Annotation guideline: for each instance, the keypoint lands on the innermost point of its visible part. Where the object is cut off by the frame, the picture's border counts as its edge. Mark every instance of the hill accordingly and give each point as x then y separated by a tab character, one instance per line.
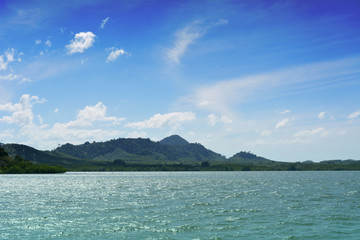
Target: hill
21	165
41	157
172	153
249	158
174	140
140	150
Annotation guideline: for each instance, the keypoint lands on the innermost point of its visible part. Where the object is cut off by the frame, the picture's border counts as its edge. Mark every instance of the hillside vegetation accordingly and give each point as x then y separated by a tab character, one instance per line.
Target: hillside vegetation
21	165
170	154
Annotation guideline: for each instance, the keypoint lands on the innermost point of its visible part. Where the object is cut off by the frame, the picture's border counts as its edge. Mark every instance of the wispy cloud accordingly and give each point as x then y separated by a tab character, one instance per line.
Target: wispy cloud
282	123
354	115
183	38
213	119
9	77
104	22
81	42
314	132
174	120
115	53
7	58
186	36
222	95
285	111
48	43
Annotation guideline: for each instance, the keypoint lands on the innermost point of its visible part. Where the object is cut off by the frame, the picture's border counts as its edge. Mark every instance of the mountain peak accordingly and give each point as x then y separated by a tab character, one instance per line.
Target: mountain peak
174	140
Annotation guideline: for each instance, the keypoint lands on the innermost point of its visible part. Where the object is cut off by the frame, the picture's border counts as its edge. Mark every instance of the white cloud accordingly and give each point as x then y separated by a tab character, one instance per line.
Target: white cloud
174	120
19	56
8	77
285	111
90	114
56	110
24	79
315	132
21	112
104	22
184	37
266	133
282	123
321	115
137	135
37	42
354	115
81	42
222	22
38	134
115	53
221	95
48	43
10	55
213	119
7	58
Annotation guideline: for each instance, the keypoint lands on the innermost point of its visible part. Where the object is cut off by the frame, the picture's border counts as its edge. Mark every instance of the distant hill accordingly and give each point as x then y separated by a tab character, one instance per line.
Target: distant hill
41	157
174	140
140	150
171	153
249	158
18	164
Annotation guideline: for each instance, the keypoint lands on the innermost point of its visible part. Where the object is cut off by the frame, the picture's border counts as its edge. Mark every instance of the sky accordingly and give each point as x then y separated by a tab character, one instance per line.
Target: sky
280	79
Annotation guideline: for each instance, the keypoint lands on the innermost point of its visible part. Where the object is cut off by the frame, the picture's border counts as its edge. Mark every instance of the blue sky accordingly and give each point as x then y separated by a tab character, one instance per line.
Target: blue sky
277	78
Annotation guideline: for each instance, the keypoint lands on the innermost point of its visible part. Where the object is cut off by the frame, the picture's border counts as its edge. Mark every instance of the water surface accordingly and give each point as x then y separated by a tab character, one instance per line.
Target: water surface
181	205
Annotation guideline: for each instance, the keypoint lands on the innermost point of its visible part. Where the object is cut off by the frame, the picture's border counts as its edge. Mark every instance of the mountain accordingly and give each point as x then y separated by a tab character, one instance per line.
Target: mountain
18	164
140	150
41	157
249	158
174	140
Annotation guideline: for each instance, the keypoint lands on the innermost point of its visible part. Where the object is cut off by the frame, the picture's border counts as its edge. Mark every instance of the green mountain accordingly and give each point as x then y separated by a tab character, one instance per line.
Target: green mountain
174	140
41	157
140	150
249	158
172	153
18	164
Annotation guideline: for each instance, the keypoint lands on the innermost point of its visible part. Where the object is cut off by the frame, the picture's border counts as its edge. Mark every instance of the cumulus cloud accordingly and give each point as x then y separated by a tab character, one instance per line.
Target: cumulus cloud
174	120
282	123
115	53
104	22
21	112
86	127
321	115
38	42
90	114
81	42
354	115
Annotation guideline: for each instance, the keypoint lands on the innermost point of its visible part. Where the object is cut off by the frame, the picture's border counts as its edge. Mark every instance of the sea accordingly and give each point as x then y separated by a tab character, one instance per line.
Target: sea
181	205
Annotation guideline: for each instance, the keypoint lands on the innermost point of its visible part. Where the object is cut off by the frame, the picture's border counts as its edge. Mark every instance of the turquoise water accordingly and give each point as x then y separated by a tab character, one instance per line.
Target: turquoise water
181	205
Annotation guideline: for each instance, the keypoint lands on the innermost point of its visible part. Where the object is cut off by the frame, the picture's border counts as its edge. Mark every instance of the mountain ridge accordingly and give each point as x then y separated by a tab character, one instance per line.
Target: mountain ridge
139	153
